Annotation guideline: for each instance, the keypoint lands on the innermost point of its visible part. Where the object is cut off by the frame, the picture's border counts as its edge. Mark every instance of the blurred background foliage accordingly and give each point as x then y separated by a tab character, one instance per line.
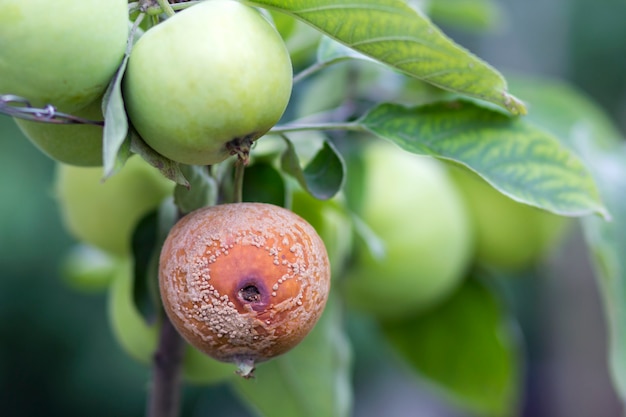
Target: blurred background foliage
58	356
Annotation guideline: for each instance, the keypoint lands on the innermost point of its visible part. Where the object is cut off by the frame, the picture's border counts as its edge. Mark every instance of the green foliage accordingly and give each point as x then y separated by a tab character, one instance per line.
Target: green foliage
392	32
469	347
582	125
520	160
380	67
310	381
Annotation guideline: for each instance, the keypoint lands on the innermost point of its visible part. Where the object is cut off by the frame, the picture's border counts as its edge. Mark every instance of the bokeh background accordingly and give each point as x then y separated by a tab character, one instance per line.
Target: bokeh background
58	356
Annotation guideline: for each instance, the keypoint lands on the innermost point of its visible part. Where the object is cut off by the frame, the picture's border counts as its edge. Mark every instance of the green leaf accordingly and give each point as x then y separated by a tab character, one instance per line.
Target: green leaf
144	245
467	347
115	119
148	237
396	34
262	183
518	159
201	191
312	380
167	167
323	176
607	244
582	124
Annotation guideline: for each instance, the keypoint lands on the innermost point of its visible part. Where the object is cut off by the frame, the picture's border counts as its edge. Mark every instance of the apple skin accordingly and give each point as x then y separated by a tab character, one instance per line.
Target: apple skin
61	52
213	73
139	339
412	206
104	214
72	144
510	236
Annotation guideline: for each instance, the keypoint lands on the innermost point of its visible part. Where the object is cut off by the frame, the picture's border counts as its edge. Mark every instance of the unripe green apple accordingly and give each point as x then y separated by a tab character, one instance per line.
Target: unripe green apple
139	339
72	144
509	235
331	222
104	214
412	206
208	80
61	52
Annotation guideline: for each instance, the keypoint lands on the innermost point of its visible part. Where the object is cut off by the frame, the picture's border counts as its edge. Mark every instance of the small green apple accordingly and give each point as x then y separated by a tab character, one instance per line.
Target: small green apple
214	76
88	269
61	52
509	235
413	208
79	145
139	339
331	221
104	214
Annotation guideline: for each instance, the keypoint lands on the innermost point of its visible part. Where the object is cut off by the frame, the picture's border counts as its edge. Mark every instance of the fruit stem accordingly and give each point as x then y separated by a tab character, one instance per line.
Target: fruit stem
240	167
166	7
164	397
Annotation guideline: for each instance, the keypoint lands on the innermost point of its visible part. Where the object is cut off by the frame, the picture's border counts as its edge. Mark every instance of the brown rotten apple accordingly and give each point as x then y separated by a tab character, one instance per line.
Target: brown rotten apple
244	282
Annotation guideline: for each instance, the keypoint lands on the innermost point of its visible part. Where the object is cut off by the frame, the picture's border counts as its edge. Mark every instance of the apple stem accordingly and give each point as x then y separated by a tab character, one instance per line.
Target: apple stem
164	397
240	167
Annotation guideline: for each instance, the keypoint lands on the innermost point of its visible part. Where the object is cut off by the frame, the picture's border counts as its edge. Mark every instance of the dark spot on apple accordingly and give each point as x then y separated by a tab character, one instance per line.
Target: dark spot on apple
250	293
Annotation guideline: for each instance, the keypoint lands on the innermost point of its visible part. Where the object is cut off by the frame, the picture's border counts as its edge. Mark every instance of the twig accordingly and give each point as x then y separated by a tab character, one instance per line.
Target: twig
164	397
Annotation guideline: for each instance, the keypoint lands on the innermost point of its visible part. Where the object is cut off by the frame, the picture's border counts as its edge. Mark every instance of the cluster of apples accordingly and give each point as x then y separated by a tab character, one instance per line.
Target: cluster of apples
241	282
200	86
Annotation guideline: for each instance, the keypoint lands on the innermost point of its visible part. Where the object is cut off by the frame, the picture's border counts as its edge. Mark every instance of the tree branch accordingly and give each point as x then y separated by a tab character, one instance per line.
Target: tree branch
164	397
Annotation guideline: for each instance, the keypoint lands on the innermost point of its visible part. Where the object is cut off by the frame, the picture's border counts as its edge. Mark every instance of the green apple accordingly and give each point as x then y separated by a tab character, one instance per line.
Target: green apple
104	214
418	216
61	52
79	145
214	76
88	269
509	235
331	221
139	339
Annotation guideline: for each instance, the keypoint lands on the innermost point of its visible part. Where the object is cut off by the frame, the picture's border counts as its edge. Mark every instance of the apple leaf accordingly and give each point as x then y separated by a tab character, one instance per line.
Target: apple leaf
147	239
394	33
115	119
467	347
607	244
580	123
520	160
201	192
323	176
167	167
312	380
262	183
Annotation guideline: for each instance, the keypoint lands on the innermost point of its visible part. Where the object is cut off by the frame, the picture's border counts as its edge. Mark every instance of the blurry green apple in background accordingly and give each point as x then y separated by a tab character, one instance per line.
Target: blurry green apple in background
104	214
331	221
61	52
412	206
88	269
72	144
139	339
213	75
509	235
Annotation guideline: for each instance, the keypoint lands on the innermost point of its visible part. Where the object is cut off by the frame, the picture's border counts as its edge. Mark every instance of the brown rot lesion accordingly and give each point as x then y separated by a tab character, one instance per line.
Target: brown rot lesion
253	294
